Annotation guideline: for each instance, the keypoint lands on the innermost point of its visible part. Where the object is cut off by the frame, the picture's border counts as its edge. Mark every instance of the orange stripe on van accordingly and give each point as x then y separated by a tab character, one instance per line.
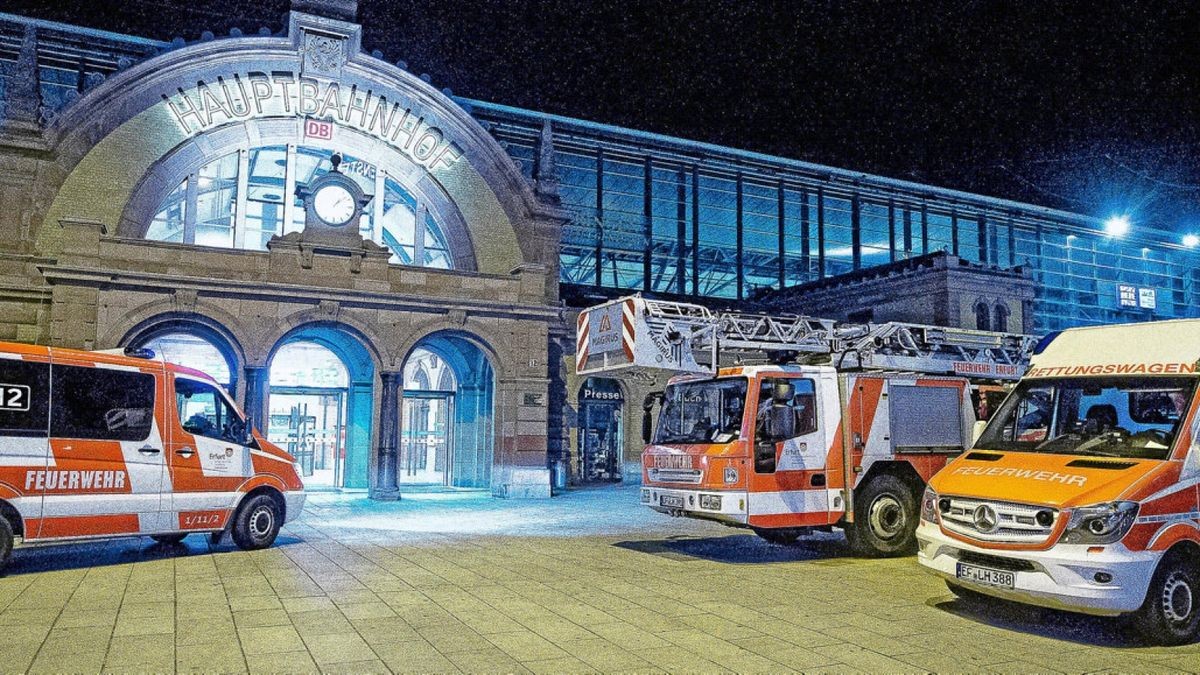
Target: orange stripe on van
83	526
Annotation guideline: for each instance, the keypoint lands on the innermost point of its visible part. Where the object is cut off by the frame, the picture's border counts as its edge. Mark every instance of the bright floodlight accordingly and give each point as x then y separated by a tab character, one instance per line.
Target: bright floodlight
1191	240
1117	226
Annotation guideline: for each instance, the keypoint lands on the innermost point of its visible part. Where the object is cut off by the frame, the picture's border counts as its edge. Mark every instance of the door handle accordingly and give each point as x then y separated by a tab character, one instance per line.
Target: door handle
185	453
149	450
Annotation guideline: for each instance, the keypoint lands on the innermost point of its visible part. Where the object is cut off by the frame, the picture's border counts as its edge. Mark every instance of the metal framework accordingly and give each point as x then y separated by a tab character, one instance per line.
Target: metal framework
638	332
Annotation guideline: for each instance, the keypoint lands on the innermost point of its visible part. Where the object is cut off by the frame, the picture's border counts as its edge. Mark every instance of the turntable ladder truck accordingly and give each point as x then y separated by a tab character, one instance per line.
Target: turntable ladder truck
790	424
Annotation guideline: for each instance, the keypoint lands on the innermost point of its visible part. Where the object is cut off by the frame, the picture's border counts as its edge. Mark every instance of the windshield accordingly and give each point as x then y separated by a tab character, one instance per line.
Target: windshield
702	412
1111	417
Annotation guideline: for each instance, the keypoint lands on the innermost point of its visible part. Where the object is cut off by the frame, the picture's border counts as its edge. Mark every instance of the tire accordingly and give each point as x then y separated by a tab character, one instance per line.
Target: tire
168	539
256	523
6	542
885	518
1170	614
778	537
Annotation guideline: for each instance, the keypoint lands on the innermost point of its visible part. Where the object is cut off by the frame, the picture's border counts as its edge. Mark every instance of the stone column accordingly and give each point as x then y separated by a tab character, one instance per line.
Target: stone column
389	436
255	404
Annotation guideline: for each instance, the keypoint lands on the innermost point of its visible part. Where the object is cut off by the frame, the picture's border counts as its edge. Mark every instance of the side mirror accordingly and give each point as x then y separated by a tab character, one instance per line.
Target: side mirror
977	430
647	413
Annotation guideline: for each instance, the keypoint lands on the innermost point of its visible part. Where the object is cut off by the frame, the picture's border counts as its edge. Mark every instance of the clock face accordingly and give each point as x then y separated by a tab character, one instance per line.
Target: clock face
334	204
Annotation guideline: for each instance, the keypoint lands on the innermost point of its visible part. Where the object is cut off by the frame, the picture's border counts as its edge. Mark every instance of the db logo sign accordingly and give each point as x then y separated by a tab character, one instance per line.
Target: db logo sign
318	129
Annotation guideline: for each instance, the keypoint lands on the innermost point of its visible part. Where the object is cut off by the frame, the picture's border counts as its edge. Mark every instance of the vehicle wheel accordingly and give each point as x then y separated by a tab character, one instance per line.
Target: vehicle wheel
168	539
885	518
966	594
256	523
779	537
6	542
1171	613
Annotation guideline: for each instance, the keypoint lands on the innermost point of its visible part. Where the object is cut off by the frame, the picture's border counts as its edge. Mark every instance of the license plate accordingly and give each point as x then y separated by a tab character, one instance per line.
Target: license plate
983	575
673	501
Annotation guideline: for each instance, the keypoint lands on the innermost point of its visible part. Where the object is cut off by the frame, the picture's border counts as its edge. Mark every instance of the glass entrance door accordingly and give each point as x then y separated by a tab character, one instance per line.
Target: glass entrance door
310	424
427	438
600	440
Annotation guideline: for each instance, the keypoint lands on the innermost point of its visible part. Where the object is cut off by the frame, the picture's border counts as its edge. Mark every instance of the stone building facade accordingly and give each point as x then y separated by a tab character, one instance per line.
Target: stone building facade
101	208
937	288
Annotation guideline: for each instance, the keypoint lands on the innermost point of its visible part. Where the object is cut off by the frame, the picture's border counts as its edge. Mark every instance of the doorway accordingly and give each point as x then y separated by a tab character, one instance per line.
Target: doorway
601	439
446	426
426	444
310	423
314	407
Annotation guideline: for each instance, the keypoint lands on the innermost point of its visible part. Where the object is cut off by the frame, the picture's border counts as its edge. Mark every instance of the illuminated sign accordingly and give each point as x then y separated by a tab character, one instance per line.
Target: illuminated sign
321	104
1133	296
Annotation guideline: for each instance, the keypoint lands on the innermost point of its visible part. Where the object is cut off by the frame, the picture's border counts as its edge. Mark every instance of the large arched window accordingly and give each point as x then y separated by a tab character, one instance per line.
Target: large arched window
193	351
244	198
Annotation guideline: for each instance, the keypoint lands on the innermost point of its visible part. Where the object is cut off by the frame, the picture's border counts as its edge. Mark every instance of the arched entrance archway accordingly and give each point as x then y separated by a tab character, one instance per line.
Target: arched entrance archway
194	344
446	414
601	430
320	405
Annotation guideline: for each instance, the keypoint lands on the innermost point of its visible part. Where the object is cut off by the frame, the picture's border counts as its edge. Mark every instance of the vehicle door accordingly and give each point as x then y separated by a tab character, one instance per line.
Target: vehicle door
106	468
209	454
24	434
790	473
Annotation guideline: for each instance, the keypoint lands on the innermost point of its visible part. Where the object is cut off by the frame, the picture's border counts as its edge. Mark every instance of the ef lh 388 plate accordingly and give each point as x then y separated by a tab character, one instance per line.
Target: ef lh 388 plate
673	501
985	576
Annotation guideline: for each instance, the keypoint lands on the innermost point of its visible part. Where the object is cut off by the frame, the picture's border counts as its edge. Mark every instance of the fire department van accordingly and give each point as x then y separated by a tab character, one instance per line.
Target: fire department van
1081	494
112	444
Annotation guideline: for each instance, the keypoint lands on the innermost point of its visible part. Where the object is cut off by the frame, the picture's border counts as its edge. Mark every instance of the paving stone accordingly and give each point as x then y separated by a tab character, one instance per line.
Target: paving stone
588	582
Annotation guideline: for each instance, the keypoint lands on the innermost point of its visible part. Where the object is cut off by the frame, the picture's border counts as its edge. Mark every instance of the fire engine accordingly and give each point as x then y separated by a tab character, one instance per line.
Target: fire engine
1081	494
120	443
820	425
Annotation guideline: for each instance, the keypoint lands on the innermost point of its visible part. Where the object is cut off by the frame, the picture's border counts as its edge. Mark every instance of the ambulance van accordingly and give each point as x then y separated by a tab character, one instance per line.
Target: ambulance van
117	444
1081	493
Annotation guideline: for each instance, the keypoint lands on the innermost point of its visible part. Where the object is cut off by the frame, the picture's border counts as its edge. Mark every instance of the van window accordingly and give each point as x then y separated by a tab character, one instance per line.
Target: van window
24	398
101	404
203	411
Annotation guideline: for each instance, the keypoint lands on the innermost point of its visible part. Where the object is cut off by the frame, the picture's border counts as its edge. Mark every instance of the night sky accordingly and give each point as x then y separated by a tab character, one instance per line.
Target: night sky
1091	107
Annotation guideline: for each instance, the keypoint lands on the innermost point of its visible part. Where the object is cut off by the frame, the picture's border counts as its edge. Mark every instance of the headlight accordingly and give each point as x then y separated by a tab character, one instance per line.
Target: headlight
710	502
1100	524
929	506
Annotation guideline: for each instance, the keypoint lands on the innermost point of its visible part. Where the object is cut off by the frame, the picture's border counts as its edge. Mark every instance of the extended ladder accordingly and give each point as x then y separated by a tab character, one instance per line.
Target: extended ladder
641	333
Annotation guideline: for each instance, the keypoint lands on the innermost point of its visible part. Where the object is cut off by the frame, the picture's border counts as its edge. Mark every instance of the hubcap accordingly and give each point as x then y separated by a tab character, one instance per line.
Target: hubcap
1177	599
261	521
886	517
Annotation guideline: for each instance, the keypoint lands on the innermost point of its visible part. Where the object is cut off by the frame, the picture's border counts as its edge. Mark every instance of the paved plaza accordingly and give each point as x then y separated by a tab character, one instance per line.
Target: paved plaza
586	582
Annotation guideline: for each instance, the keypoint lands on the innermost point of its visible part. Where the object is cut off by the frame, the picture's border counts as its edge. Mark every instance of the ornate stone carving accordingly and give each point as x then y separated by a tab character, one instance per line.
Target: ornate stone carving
323	54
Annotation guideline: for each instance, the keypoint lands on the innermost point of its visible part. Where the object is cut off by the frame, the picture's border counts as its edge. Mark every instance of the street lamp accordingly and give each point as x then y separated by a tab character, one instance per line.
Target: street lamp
1117	226
1191	240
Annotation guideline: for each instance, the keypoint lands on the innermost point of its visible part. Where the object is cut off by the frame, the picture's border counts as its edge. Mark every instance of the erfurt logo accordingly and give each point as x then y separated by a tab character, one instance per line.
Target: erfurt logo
221	456
74	480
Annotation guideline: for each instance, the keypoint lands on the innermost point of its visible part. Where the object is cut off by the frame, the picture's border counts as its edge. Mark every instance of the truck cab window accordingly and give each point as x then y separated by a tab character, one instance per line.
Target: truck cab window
203	411
803	404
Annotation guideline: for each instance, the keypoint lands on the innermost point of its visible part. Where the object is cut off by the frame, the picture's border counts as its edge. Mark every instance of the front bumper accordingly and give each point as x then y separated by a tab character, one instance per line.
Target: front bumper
689	502
294	503
1062	577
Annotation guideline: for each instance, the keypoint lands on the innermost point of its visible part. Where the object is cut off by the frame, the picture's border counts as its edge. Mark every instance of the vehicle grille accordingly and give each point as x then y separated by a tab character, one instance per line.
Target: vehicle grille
1015	523
692	476
995	562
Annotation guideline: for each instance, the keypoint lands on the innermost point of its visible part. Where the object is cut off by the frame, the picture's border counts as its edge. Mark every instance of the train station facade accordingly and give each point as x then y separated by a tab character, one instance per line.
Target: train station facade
157	194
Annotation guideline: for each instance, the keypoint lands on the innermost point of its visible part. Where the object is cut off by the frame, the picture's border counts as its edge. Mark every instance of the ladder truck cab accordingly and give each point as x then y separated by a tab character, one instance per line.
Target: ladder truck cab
820	426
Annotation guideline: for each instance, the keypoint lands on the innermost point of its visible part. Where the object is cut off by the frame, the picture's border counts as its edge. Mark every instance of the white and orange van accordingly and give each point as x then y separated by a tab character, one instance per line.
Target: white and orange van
112	444
1082	491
